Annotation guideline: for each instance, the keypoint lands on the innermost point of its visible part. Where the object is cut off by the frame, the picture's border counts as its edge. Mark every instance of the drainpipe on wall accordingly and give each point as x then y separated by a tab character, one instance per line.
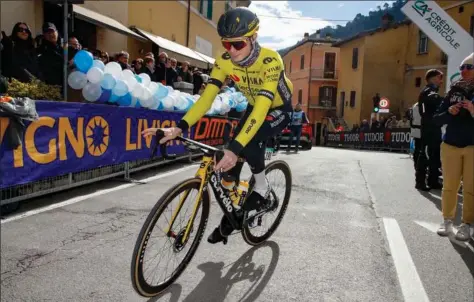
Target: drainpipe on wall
188	24
309	78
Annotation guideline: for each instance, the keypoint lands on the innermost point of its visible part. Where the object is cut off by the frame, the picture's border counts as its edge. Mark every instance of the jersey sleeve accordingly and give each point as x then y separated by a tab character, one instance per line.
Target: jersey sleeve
204	103
270	74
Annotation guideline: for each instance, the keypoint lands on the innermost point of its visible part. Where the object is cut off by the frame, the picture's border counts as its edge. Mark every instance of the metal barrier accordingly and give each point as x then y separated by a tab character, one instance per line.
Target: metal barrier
71	180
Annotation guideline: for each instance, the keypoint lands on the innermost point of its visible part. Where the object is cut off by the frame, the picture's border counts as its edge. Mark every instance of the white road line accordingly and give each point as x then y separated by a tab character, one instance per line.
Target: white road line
95	194
412	287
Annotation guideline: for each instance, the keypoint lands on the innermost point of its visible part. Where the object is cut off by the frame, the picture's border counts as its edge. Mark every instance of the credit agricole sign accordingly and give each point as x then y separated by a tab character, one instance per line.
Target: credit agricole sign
443	30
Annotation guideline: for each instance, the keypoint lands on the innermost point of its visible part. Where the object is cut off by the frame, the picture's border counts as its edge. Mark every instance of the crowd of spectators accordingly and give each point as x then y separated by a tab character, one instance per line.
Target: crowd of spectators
25	57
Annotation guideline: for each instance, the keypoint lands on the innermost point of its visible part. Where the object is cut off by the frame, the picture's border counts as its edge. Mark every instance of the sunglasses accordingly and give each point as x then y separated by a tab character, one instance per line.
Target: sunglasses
466	67
22	30
238	45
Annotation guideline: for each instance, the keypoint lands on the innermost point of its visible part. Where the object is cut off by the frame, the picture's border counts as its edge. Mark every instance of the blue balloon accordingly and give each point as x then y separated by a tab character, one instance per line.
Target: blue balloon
83	60
105	96
108	81
120	88
113	98
241	107
160	106
139	80
162	91
125	100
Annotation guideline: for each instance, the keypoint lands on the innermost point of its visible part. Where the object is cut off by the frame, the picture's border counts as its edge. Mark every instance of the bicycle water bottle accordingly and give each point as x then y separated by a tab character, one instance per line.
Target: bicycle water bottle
242	190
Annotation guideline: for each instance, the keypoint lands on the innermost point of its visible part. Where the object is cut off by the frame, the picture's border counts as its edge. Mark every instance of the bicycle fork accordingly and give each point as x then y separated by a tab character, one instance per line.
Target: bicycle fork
202	174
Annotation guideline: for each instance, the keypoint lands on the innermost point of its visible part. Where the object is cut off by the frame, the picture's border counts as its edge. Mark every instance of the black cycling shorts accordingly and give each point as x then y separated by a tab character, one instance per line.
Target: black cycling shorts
254	152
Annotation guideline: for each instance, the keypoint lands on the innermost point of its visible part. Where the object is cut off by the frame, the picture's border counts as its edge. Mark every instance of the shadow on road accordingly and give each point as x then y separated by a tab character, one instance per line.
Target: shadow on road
215	286
435	197
466	253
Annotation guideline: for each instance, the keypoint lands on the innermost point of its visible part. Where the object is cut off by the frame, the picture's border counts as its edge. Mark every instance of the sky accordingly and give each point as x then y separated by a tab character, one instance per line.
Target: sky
277	33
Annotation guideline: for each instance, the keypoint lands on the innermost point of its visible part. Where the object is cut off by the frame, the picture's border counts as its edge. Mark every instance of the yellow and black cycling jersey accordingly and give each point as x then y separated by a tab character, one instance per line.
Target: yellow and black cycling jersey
263	83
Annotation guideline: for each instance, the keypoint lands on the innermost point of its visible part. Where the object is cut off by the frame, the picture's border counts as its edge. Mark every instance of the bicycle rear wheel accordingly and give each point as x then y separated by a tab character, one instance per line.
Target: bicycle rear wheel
252	239
141	285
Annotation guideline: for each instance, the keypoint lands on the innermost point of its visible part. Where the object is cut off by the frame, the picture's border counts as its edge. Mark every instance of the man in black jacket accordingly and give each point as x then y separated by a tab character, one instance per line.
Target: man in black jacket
428	102
50	56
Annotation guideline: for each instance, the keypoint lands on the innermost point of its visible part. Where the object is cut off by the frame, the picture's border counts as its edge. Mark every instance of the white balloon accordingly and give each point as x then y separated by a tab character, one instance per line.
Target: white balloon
127	74
99	64
146	80
95	75
77	80
168	102
113	68
131	83
146	99
138	91
153	86
92	92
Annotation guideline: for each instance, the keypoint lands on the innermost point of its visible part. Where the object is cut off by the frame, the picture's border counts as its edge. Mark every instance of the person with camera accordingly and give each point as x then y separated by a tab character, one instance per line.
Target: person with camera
457	151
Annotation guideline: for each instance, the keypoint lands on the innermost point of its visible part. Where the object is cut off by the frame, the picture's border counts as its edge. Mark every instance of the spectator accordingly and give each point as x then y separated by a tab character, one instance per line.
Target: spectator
184	74
298	118
122	59
104	57
160	70
364	127
50	56
171	72
404	123
149	68
375	124
391	122
138	66
457	151
73	42
197	80
19	56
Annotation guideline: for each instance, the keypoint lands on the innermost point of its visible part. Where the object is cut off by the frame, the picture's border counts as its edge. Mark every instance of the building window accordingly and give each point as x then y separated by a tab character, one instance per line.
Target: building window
355	58
228	6
205	8
471	31
353	99
302	62
290	66
422	43
300	96
418	82
343	97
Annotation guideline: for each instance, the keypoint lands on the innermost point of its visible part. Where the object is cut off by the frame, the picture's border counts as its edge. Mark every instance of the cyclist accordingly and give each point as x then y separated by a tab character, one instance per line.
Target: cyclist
259	74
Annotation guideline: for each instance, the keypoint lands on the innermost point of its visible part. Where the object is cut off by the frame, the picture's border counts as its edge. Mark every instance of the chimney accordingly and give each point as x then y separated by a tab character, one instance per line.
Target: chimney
306	36
318	34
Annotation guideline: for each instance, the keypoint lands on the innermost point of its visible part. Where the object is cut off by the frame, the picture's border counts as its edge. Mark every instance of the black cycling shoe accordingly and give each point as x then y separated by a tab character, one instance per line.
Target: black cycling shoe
216	237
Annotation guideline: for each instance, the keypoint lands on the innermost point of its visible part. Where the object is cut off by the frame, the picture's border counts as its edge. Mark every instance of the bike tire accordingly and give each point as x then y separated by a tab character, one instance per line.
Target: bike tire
138	280
246	234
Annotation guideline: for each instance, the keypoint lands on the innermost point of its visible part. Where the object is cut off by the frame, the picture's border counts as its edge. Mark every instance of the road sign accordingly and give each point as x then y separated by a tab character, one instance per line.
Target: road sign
443	30
384	110
384	103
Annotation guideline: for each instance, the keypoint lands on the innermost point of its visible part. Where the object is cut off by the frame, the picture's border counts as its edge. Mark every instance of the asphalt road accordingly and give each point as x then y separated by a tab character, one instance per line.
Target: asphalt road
355	230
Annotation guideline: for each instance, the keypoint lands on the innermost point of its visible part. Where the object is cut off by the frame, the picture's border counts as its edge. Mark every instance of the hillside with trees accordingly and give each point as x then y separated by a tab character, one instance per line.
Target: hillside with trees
361	22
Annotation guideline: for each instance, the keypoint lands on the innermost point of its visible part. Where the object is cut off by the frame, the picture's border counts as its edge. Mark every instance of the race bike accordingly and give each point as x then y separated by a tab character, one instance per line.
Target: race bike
184	239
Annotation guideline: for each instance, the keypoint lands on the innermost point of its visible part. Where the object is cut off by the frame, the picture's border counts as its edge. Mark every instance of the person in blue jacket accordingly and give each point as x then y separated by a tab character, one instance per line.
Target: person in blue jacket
457	151
298	118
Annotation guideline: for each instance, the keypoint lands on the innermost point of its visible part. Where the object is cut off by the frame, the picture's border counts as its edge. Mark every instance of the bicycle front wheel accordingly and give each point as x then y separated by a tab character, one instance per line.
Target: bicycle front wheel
278	200
173	234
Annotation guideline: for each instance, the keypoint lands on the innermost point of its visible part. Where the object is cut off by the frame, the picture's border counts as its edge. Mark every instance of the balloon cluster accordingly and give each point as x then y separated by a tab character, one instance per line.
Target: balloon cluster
109	83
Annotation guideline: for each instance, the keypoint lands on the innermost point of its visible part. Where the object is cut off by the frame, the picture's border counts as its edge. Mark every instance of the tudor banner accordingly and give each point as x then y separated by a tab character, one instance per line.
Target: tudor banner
391	139
73	137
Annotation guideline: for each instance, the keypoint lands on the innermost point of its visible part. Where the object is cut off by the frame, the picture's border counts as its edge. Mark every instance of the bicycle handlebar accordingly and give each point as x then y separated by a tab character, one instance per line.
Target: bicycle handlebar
160	134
